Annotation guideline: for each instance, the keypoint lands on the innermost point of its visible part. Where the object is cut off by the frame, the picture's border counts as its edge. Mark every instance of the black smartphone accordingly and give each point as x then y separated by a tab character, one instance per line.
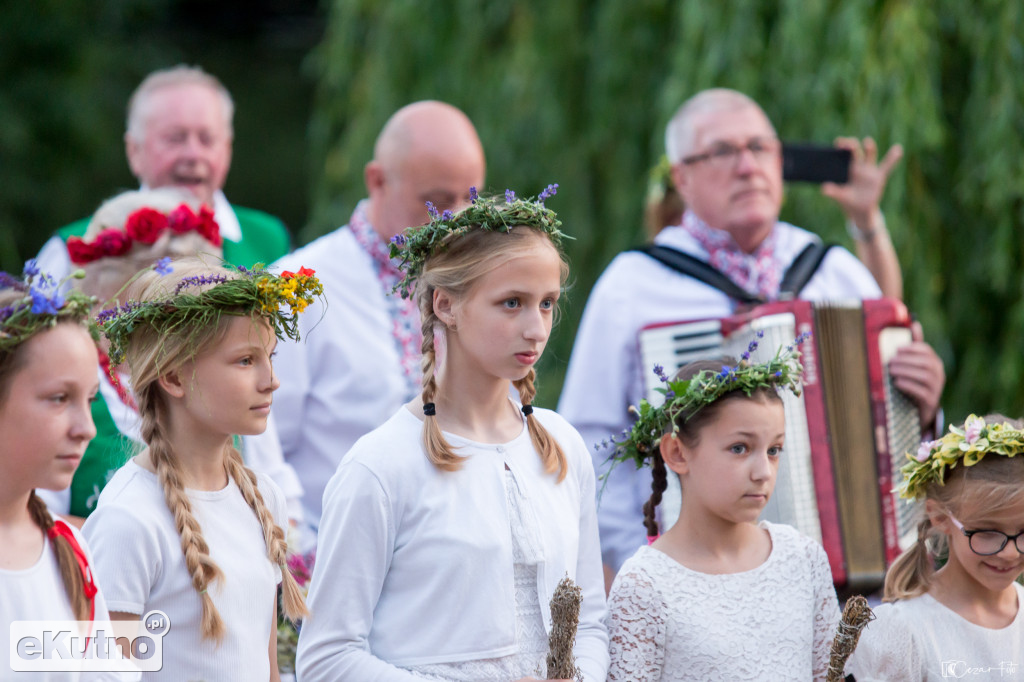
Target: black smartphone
815	163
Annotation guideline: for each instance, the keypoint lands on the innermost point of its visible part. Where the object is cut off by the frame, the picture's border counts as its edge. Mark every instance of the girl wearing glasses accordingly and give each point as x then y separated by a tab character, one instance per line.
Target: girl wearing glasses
966	618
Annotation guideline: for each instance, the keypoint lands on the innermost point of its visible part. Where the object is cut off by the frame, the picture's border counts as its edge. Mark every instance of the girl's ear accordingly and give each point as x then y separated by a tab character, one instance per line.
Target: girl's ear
674	453
172	384
443	307
939	517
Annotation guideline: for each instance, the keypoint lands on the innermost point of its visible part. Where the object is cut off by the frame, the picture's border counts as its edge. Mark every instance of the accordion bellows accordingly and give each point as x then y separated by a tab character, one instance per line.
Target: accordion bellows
847	435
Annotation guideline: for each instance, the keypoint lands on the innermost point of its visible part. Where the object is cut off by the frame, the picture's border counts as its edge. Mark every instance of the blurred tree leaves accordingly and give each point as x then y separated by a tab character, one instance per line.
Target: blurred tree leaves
579	91
66	72
68	67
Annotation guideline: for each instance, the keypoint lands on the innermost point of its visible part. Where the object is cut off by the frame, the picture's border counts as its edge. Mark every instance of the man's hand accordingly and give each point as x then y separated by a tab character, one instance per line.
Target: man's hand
917	371
860	197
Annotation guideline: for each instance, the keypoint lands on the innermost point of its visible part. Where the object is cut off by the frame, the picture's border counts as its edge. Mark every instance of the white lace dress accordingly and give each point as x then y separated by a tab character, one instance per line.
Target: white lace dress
921	640
775	622
531	636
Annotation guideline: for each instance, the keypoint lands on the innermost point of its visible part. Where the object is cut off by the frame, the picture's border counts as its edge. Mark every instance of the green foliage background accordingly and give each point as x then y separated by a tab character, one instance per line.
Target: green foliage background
579	91
575	92
67	68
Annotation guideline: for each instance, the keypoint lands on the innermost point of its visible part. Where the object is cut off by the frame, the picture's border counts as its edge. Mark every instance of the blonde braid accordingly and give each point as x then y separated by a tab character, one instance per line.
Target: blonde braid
197	553
277	546
911	573
439	452
70	572
550	451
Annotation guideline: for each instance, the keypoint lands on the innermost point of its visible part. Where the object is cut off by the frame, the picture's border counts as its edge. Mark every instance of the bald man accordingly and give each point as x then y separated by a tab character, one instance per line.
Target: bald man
362	361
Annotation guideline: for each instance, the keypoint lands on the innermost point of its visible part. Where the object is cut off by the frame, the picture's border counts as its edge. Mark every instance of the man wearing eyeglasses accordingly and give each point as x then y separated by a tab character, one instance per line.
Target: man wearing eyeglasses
727	166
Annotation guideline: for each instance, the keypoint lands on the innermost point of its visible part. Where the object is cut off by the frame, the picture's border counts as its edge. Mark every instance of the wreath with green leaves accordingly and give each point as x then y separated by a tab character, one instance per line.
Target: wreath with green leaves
498	213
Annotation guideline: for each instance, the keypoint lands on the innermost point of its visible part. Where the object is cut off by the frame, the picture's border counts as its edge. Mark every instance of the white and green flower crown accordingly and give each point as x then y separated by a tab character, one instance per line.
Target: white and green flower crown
497	213
687	396
41	305
967	445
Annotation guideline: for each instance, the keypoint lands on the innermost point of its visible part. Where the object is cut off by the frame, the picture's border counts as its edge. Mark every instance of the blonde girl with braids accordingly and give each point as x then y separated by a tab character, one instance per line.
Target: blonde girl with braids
129	233
47	382
446	530
964	619
123	237
719	595
185	527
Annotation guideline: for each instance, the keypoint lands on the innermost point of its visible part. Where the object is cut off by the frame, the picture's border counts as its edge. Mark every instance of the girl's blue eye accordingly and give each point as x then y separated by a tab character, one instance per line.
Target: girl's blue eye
511	303
547	304
738	449
775	451
245	362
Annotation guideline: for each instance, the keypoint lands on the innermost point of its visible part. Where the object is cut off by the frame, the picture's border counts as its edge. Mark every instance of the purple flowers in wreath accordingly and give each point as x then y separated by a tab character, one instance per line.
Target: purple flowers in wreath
687	397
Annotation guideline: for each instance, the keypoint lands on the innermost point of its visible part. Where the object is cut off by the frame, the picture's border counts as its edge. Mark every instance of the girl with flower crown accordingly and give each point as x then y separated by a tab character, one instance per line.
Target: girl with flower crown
720	596
965	619
446	530
185	527
47	380
128	233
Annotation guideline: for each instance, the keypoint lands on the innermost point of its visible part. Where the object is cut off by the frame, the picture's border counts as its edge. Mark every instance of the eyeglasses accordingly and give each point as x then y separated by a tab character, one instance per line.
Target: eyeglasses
724	155
989	542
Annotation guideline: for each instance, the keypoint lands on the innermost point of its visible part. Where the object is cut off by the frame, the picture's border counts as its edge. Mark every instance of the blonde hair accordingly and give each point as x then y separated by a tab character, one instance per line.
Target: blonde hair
456	269
151	356
175	75
995	482
12	361
105	277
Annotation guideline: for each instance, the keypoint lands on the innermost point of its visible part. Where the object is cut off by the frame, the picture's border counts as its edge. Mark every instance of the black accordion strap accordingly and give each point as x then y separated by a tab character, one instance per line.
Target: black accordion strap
794	280
802	269
699	270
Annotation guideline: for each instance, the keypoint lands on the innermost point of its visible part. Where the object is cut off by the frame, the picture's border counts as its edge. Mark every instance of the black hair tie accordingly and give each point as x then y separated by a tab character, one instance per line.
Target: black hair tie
527	410
428	409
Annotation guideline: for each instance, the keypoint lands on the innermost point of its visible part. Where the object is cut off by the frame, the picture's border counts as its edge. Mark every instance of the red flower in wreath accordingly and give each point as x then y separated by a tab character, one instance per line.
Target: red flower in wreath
146	225
208	227
182	220
307	272
113	242
82	252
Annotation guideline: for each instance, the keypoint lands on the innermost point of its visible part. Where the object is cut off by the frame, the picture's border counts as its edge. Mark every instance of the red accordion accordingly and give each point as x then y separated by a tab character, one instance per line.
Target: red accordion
847	434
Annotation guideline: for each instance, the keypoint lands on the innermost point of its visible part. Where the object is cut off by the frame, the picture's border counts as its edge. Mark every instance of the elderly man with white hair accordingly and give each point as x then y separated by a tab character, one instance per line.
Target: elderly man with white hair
727	166
180	134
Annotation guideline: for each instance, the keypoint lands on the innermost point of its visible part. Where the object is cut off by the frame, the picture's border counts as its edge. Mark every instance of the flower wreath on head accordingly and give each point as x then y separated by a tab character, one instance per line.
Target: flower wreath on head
417	244
688	396
41	307
969	445
189	308
145	226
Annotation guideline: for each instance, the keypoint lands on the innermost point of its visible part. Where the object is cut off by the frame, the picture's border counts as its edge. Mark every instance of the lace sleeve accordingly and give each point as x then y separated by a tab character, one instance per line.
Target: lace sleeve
636	629
827	614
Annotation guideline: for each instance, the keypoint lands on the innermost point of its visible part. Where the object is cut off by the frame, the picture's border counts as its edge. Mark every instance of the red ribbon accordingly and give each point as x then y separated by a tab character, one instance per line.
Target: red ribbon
115	380
62	529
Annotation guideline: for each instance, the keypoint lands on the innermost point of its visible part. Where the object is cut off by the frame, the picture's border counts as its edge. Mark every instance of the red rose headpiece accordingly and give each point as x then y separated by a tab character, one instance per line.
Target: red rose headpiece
145	226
